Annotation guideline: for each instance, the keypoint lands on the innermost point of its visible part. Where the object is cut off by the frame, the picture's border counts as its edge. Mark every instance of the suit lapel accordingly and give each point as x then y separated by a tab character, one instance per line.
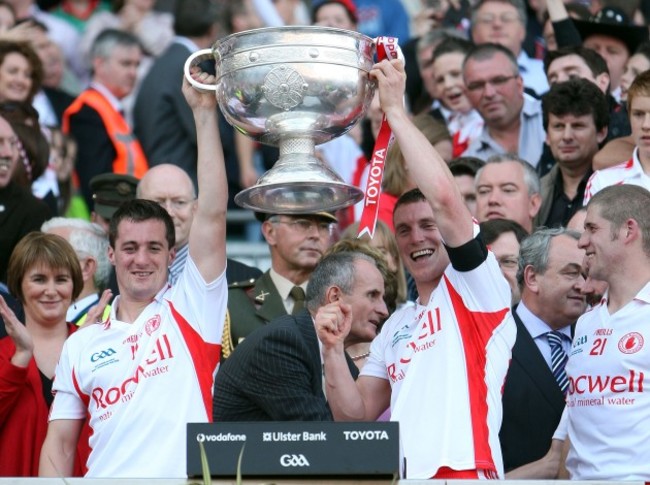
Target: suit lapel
527	355
306	328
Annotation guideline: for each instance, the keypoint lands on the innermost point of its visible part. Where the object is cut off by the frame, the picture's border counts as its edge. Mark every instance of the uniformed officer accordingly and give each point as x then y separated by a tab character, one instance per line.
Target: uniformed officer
109	191
296	244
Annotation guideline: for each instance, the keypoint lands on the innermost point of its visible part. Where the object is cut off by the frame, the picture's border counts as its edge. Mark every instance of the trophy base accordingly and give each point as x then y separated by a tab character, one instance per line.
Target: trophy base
299	197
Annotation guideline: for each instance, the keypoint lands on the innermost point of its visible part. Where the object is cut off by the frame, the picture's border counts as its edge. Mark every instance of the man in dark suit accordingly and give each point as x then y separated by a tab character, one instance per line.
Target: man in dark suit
276	374
551	283
296	243
162	118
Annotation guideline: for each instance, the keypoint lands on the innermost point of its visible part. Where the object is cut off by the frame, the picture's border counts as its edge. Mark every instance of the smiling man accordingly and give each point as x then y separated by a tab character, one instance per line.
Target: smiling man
513	119
551	284
610	344
144	373
439	364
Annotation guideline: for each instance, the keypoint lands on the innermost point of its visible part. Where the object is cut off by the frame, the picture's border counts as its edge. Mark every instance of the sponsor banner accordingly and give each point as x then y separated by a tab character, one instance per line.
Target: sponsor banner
295	448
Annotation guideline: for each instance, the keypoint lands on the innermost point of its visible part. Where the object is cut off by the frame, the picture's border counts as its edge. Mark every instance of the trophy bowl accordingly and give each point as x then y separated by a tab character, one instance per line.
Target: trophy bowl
294	88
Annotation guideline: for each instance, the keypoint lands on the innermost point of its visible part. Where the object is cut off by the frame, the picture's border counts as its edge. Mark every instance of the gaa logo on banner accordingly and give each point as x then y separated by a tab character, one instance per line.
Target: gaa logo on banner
293	460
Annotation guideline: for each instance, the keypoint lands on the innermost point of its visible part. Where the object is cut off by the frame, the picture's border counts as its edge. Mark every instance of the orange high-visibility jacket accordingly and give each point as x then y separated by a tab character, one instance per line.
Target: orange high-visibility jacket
130	157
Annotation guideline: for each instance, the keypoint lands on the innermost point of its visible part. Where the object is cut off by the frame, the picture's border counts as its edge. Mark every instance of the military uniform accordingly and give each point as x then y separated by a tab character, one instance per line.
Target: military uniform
251	305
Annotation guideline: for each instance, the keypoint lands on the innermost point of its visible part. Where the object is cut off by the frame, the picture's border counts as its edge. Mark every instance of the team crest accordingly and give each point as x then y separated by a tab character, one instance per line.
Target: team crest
152	324
631	343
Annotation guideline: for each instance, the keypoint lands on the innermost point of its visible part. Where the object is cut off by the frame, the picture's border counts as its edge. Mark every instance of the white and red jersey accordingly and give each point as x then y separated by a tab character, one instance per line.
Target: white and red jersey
630	172
608	400
140	383
446	363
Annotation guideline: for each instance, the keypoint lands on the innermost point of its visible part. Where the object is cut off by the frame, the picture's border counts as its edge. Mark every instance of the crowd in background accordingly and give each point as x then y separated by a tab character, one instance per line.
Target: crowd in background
536	108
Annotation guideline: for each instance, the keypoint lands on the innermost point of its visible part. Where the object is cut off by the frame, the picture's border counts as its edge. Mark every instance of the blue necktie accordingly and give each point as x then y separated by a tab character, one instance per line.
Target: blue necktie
558	360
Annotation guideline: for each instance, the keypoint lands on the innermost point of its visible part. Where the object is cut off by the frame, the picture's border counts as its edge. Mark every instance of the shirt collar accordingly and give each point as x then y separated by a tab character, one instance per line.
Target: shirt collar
535	326
103	90
283	285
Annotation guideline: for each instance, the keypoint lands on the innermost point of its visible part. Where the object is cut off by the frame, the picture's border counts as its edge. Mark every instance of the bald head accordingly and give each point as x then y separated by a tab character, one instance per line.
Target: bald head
173	189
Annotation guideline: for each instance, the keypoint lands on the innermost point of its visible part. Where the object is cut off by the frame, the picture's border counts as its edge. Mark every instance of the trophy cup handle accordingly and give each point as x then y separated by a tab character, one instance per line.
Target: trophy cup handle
193	60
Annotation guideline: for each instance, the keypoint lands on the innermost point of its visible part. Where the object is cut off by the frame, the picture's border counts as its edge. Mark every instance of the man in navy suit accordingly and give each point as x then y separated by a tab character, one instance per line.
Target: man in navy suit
551	282
276	373
162	119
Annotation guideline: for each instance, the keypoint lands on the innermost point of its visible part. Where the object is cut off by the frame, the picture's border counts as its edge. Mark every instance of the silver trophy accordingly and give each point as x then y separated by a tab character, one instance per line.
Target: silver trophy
293	87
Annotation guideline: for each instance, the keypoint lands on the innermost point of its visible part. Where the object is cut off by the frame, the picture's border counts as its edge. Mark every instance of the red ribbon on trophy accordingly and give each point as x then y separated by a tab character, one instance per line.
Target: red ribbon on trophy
387	48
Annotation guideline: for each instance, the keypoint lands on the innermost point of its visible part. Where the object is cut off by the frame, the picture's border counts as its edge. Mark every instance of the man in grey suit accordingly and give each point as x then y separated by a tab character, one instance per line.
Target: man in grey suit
551	282
162	118
276	374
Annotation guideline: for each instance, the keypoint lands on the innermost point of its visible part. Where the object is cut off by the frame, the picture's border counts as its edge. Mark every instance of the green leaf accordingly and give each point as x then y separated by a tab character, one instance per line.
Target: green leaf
241	455
205	466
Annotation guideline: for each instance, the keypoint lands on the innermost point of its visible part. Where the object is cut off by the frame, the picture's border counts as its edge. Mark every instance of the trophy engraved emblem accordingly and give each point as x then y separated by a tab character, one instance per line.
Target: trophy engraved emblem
293	87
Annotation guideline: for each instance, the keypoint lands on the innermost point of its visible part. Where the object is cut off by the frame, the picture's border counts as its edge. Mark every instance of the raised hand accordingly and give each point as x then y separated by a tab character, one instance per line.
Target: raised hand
196	98
333	322
19	334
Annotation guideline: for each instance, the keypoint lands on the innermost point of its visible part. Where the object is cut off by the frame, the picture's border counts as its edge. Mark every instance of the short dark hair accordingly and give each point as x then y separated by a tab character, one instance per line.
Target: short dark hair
195	18
452	45
410	197
465	166
487	51
576	97
492	229
595	62
140	210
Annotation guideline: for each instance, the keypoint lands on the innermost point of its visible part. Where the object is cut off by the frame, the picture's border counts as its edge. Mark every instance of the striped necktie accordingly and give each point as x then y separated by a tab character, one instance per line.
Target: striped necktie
558	360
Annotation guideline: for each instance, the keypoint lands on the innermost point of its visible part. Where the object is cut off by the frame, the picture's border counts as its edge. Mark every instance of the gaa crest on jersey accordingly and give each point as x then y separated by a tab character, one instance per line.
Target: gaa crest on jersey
631	343
152	324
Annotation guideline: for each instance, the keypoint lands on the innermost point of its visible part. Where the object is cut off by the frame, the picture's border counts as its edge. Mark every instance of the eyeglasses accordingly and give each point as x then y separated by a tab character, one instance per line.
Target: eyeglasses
508	262
497	82
305	226
504	18
176	204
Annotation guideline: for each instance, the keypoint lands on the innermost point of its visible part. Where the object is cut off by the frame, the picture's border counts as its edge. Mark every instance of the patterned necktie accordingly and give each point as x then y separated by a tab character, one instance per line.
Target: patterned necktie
558	360
298	295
